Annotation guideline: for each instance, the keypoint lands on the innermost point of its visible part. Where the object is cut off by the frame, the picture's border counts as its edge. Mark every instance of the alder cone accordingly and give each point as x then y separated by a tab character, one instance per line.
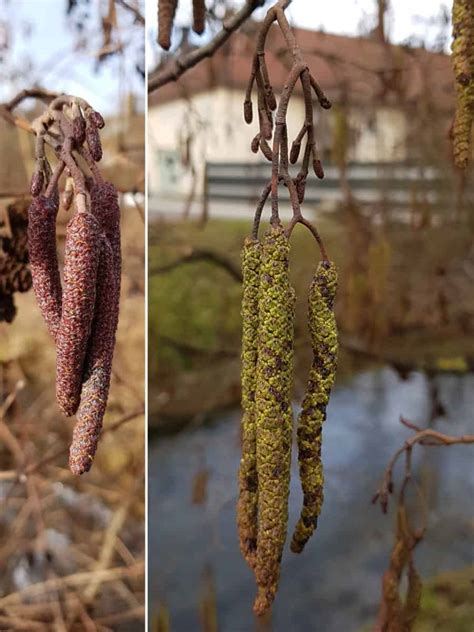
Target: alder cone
15	274
81	259
98	365
43	258
166	13
7	307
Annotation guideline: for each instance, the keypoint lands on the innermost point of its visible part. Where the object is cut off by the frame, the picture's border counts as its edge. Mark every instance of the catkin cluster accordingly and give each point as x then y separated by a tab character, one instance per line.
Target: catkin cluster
463	62
81	313
15	273
166	15
268	306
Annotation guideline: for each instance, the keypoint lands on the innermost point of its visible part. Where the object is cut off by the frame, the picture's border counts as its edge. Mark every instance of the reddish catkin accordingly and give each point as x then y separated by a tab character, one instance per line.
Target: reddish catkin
166	13
105	204
37	182
98	366
81	258
44	260
96	119
93	142
199	16
79	130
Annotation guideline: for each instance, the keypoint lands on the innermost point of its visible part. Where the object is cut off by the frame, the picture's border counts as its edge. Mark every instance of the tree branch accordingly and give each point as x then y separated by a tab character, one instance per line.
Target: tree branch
426	437
200	255
187	61
138	16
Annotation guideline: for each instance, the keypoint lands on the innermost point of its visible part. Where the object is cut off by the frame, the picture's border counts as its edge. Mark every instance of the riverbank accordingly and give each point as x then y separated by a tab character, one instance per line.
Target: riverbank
194	319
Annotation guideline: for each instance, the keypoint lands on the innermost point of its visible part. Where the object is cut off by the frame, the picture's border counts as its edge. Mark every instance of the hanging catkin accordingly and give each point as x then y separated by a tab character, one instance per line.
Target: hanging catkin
44	260
323	330
105	204
463	62
81	258
248	479
199	16
273	412
98	365
166	13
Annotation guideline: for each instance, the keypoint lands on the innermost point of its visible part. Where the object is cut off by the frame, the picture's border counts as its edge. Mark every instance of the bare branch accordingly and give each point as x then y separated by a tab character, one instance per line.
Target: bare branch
187	61
200	255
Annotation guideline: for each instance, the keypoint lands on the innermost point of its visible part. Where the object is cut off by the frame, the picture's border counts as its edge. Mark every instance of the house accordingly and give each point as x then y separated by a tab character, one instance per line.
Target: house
387	94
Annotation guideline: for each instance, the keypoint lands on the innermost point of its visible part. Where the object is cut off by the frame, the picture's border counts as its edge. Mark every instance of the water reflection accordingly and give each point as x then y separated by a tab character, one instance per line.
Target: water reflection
334	585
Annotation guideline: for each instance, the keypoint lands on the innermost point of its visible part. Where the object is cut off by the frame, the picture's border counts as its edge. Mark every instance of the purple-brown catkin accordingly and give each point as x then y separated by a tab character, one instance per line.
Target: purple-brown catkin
79	130
96	119
93	142
98	367
81	258
44	260
166	13
105	205
37	182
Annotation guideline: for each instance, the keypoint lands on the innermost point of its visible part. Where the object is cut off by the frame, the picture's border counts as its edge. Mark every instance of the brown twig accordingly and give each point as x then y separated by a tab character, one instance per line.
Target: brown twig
425	437
196	256
188	60
276	128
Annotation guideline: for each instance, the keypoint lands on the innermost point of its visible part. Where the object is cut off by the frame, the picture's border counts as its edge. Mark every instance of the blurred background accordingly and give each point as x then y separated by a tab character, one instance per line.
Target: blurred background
397	218
72	549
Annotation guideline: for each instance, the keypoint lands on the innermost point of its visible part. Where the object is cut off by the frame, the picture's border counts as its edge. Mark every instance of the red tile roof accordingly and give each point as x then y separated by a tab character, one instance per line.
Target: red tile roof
365	70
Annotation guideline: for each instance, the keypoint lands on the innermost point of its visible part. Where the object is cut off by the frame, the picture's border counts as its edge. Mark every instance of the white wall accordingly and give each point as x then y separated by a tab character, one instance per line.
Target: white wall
219	134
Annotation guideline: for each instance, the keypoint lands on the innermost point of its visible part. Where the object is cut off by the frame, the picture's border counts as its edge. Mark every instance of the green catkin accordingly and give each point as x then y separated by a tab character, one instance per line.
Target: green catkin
323	330
273	412
463	62
248	480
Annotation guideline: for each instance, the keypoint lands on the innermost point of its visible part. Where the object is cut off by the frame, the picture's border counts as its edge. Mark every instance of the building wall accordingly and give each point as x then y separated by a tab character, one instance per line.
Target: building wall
379	135
185	134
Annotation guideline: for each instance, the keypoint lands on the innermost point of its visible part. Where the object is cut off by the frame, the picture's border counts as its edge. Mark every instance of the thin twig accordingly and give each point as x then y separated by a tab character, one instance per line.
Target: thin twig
187	61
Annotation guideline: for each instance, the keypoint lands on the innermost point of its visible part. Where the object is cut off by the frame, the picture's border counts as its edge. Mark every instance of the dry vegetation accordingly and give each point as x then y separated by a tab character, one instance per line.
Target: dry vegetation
72	549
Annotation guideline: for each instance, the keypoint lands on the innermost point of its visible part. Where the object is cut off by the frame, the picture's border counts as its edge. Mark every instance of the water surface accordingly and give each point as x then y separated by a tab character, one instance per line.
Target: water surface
334	585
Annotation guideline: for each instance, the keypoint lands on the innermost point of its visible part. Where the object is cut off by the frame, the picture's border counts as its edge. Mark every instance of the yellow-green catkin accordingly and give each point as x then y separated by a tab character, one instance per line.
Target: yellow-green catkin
248	480
463	62
273	411
323	330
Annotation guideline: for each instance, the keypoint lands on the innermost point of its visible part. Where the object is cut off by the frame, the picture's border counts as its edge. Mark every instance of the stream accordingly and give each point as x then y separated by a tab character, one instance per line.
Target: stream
334	585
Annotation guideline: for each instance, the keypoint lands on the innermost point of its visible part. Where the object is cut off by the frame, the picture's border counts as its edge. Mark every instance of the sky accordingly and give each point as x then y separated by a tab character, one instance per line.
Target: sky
406	18
41	38
41	35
